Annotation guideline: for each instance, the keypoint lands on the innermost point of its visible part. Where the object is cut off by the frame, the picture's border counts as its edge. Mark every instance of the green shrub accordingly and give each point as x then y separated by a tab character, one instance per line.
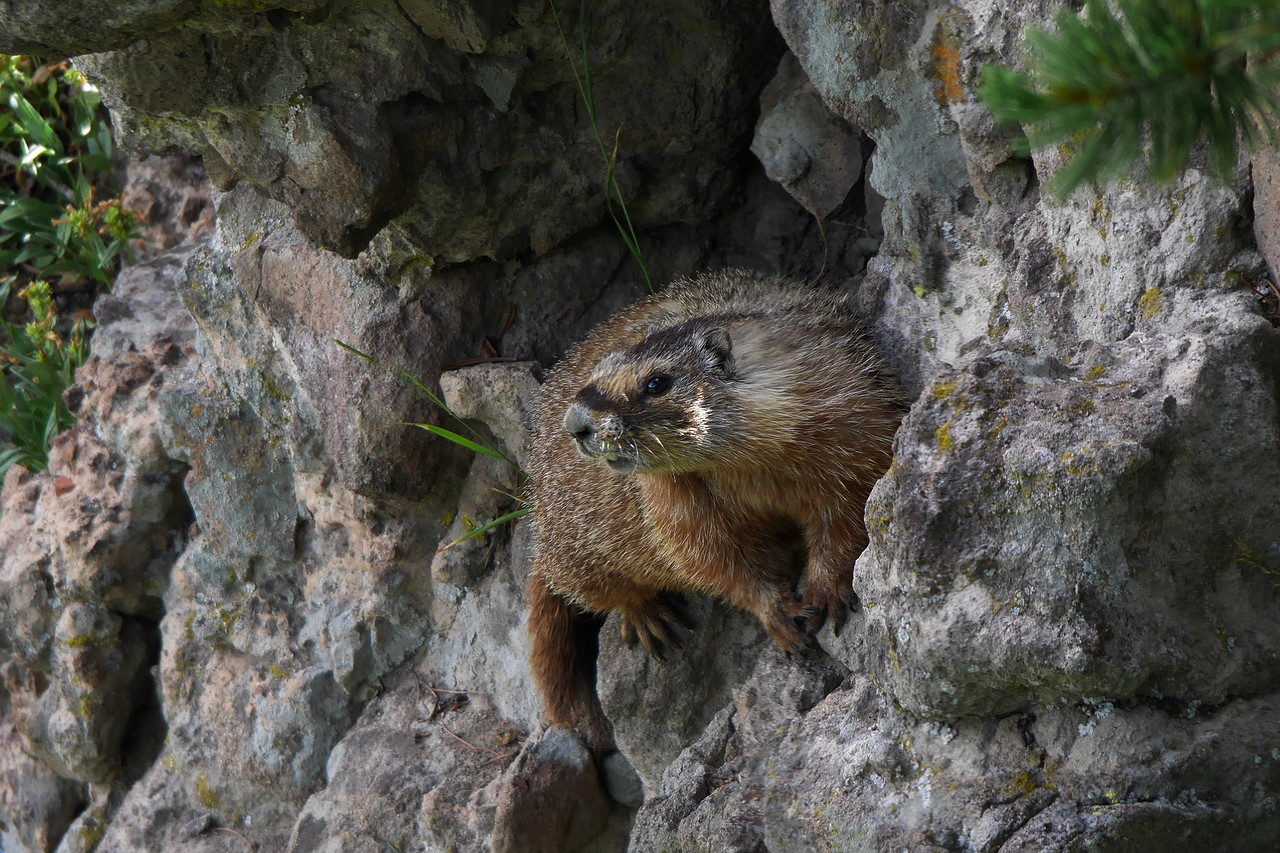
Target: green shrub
40	364
57	245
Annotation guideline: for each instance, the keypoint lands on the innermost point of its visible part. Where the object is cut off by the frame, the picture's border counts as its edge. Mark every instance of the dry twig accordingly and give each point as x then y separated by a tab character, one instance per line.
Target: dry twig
1269	298
248	843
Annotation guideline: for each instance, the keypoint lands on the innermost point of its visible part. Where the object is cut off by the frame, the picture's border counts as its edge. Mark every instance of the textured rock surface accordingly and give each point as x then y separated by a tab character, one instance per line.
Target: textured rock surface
450	130
89	546
813	154
226	615
1081	524
1265	172
170	195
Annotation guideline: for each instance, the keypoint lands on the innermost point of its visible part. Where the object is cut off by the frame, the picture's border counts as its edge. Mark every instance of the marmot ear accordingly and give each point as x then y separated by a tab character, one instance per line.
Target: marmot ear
717	350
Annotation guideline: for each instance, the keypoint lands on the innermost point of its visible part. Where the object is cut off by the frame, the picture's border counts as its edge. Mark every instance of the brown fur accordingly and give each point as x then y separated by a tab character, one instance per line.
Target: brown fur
778	420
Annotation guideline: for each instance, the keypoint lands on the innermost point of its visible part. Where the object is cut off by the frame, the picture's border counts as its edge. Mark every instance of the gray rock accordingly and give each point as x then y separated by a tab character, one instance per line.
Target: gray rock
87	549
712	794
622	781
423	766
40	805
1112	531
1050	778
551	798
78	724
82	26
812	153
171	196
1066	638
1265	171
421	132
659	707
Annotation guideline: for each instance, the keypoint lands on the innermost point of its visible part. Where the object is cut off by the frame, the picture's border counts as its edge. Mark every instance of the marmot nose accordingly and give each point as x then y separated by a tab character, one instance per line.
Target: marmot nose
578	422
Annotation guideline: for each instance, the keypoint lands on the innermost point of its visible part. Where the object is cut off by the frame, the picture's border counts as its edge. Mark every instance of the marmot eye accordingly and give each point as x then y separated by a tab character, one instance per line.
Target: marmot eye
656	385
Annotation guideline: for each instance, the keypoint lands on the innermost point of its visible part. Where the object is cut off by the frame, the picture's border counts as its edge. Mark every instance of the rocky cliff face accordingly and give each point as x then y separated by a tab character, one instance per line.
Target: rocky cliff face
226	619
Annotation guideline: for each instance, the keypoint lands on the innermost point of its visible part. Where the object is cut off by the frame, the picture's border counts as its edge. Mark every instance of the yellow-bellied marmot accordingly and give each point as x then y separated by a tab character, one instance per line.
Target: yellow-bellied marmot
689	444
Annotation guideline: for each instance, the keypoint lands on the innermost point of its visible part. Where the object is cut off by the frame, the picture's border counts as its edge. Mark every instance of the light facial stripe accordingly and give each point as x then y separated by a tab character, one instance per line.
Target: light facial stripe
699	420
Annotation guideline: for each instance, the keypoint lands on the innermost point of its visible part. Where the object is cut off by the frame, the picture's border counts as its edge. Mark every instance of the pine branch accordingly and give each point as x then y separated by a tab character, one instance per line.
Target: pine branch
1145	76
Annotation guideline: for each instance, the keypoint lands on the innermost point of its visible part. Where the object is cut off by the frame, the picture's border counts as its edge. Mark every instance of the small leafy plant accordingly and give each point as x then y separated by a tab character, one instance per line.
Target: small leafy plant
1156	76
39	364
59	245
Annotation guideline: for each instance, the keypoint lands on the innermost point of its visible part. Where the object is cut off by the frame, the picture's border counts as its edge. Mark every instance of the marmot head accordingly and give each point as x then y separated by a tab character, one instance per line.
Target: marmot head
660	405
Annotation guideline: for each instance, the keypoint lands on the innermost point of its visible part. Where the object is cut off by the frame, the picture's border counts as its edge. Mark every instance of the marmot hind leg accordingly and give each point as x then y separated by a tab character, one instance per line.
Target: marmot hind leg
565	643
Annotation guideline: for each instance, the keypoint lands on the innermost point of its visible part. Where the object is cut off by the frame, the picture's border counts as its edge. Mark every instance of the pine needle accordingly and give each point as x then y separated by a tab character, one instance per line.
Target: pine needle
1129	78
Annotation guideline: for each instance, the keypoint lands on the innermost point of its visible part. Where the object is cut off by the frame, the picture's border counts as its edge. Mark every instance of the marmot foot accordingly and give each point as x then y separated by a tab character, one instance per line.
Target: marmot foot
818	604
653	624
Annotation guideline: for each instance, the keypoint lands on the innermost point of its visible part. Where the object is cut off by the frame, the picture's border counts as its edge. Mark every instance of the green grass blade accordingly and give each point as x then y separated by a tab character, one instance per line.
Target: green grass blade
478	444
33	124
485	528
586	88
459	439
6	396
413	380
349	348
